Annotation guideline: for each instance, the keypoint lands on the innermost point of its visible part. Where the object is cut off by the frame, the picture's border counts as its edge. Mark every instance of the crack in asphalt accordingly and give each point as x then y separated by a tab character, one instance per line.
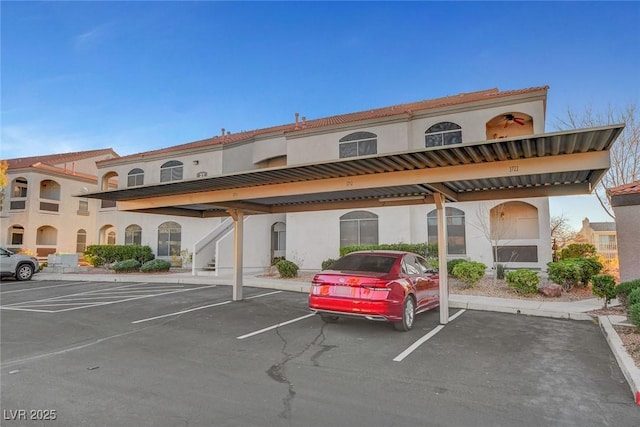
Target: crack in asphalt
277	372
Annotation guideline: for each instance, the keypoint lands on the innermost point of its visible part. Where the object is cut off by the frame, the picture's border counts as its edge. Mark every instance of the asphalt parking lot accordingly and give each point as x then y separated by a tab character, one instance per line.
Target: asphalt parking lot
124	354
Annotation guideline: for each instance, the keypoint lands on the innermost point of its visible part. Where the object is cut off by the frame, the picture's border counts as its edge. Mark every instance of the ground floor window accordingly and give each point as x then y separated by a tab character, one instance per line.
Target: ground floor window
358	228
278	239
17	235
81	241
456	240
169	239
133	235
516	253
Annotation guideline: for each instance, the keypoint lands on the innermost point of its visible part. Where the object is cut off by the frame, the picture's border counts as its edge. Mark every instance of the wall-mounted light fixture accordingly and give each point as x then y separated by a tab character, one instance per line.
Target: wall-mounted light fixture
196	162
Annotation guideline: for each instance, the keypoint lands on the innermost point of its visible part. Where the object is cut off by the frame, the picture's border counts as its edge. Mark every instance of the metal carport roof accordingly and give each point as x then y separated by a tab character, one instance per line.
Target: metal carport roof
561	163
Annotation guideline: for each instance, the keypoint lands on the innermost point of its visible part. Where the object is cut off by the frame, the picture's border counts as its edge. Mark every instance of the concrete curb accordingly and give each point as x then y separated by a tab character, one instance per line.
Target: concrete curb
520	310
629	369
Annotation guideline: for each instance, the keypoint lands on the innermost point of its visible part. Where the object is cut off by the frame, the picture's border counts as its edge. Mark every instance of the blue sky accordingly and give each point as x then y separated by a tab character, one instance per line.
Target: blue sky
137	76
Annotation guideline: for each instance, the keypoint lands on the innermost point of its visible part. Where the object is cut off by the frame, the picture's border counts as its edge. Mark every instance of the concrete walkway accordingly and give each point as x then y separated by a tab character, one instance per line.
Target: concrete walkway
575	310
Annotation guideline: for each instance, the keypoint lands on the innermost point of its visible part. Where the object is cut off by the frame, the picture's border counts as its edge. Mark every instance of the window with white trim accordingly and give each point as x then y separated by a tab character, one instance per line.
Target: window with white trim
443	133
358	228
456	239
171	171
169	239
135	177
358	144
133	235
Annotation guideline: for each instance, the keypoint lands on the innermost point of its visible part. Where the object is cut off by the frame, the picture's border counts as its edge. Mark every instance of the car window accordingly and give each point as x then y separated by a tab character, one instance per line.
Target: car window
365	262
409	265
424	265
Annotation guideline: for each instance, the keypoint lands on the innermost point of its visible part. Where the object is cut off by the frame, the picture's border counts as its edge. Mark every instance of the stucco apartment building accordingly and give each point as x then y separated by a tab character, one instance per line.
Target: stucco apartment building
602	235
39	211
43	211
519	228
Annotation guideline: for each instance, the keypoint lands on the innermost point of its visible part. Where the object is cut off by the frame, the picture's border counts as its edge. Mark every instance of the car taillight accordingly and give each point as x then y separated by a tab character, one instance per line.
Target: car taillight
376	285
317	283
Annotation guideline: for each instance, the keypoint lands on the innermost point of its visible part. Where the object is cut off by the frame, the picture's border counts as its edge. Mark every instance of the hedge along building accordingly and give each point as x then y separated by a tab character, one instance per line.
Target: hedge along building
377	176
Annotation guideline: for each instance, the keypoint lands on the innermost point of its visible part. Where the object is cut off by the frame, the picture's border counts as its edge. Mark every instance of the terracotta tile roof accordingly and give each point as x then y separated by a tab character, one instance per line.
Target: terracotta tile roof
394	110
631	188
63	171
56	159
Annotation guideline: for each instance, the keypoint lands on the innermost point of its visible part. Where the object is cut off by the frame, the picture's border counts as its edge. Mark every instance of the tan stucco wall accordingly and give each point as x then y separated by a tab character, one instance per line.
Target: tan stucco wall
628	235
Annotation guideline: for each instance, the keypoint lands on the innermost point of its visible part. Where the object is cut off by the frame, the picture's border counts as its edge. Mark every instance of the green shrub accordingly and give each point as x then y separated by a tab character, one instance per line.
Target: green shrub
589	267
470	272
604	286
155	265
287	268
578	250
500	271
98	255
423	249
523	281
126	265
624	289
634	297
451	264
327	263
566	273
634	314
276	259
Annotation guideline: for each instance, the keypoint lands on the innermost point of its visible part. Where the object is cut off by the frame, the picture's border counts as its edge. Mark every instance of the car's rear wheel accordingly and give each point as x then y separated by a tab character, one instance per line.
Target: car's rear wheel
329	319
408	315
24	272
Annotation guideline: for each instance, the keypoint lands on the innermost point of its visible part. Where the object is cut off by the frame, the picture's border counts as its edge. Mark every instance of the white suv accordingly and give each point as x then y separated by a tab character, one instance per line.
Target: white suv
22	267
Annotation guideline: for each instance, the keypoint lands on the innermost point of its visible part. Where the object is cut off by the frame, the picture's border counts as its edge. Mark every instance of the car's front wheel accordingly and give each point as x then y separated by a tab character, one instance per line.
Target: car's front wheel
408	315
24	272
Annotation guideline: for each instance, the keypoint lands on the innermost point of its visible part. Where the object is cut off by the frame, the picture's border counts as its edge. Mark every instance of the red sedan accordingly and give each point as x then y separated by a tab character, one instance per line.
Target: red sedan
376	285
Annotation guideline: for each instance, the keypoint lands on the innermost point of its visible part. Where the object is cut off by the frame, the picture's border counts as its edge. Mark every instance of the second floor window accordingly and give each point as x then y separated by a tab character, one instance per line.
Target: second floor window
135	177
358	144
171	171
443	133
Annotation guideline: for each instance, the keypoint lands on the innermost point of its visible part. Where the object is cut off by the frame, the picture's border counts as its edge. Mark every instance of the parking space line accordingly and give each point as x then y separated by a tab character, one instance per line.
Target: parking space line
45	287
264	295
425	338
241	337
202	307
56	300
182	312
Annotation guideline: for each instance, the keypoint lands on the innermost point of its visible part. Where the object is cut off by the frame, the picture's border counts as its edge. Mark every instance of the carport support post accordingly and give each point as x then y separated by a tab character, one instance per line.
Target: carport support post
238	223
442	258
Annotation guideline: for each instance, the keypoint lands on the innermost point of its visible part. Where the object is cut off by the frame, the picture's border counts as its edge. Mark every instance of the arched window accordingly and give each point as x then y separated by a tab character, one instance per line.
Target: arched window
171	171
135	177
16	235
133	235
18	194
443	133
358	144
169	239
81	241
358	228
278	239
19	188
456	240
